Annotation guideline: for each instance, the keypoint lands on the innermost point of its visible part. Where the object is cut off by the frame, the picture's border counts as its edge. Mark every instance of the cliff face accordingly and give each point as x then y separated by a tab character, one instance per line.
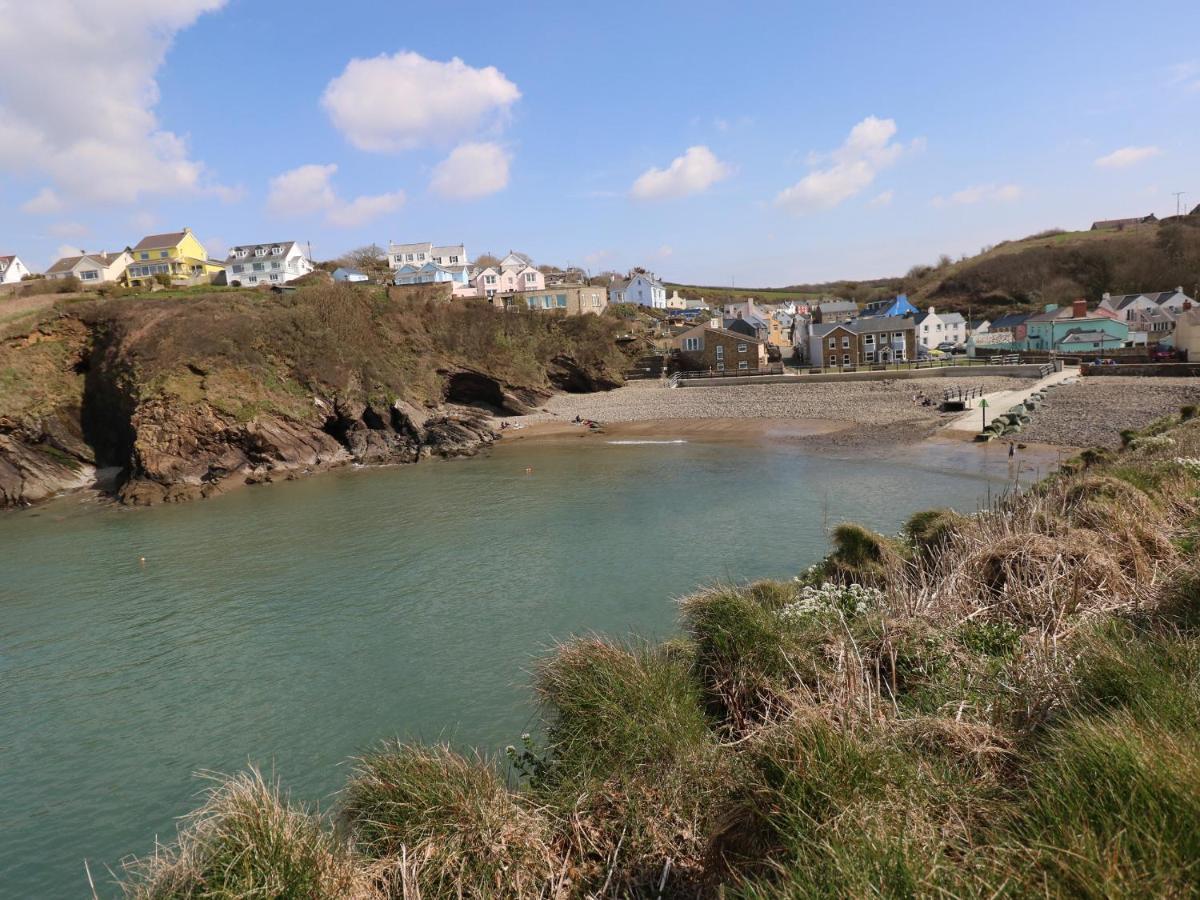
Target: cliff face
186	397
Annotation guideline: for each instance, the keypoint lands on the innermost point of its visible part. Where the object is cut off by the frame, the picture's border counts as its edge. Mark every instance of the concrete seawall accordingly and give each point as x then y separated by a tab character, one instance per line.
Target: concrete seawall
1012	371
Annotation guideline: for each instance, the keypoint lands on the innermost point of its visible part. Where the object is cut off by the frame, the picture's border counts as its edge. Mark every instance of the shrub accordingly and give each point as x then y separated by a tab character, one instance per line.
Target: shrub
248	840
446	824
861	556
929	531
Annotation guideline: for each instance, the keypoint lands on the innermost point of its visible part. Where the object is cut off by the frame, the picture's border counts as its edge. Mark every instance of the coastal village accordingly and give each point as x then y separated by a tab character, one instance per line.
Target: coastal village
688	333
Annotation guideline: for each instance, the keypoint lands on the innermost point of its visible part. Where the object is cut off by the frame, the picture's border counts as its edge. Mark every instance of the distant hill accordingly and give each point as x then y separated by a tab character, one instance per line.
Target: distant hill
1050	267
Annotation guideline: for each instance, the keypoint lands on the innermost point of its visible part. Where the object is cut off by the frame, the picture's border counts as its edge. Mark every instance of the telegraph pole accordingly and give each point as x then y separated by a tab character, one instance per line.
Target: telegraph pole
1179	195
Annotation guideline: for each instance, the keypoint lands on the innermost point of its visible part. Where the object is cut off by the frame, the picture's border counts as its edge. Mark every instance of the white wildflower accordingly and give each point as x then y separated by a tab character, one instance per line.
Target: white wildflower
847	600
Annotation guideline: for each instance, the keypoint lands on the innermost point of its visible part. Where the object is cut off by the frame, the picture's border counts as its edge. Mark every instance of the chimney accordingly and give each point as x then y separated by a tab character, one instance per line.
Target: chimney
931	311
1107	296
1079	309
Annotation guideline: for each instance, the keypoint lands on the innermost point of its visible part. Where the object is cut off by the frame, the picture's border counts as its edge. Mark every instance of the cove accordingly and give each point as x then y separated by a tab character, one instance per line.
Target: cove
294	625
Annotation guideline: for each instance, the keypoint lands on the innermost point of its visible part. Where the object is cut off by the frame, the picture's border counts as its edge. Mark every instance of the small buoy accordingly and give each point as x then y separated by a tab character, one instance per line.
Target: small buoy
142	561
529	470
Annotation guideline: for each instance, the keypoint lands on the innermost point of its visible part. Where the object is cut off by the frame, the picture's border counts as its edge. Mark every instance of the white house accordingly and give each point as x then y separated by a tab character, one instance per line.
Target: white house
278	263
92	268
352	275
419	254
934	329
1127	305
12	269
644	290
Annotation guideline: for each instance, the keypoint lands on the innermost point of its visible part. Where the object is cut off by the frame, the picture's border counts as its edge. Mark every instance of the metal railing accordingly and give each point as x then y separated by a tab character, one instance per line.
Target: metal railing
961	395
731	373
958	362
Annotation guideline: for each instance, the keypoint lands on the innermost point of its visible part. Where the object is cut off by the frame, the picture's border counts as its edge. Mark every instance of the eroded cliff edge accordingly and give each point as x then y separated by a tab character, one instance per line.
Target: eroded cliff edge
182	397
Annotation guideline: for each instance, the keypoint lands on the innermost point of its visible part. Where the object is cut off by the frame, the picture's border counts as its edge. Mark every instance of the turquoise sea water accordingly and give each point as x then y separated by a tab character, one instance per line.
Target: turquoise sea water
293	625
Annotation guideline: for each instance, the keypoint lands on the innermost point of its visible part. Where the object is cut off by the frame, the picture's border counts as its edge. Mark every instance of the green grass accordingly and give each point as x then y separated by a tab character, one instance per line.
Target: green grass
1012	714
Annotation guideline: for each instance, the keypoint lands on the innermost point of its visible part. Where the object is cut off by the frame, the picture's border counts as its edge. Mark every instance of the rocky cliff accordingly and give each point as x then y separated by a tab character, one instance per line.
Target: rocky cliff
184	397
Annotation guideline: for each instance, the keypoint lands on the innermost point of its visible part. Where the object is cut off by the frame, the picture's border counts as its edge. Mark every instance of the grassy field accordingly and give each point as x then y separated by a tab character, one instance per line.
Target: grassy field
1001	705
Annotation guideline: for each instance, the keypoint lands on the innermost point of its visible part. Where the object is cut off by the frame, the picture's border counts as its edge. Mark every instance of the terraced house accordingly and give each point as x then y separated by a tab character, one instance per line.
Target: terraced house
567	299
277	263
179	255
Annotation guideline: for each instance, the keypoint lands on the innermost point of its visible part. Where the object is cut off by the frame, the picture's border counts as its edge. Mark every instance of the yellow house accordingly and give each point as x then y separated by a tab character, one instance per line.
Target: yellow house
178	255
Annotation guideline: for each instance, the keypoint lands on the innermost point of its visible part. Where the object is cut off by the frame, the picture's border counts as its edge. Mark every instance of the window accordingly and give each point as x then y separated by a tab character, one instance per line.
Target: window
869	340
692	343
595	299
253	279
562	301
846	360
489	279
258	267
832	360
420	257
162	254
238	268
845	343
530	277
870	356
89	275
531	302
278	251
720	351
741	348
275	264
833	343
547	302
274	277
410	257
721	364
743	364
145	255
453	260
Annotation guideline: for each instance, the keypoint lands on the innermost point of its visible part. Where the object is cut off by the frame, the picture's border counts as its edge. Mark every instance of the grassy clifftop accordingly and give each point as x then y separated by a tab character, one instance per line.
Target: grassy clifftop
1052	267
996	705
195	388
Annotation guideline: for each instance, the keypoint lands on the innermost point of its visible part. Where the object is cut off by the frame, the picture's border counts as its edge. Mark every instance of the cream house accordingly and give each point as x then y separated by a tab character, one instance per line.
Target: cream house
92	268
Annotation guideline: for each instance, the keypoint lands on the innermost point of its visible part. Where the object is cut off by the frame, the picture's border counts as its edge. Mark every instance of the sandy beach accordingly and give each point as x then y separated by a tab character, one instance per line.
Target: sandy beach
864	417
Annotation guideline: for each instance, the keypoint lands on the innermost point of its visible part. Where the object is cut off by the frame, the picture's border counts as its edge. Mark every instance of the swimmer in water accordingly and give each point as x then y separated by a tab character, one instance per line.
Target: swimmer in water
529	470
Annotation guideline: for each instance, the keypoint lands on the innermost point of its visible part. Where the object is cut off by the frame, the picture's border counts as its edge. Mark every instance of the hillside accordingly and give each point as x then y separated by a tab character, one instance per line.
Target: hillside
189	393
1051	267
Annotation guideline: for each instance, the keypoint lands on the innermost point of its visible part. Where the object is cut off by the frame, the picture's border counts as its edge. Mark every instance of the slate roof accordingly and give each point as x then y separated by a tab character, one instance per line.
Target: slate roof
250	248
459	250
1079	336
426	247
952	318
836	306
67	263
159	241
1010	320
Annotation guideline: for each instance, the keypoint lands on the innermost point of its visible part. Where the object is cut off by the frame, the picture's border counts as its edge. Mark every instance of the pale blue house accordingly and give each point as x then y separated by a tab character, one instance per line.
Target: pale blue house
1065	328
432	273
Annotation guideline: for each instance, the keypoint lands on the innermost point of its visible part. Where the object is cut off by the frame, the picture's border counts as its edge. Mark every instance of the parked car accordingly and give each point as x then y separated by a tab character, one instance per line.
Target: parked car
947	346
1164	354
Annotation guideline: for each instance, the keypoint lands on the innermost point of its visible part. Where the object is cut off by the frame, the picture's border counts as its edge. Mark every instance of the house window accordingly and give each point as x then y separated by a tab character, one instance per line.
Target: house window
870	356
145	256
720	351
741	348
490	279
547	302
258	267
410	257
420	257
531	302
869	340
275	264
453	260
845	343
253	279
530	277
238	268
846	360
162	254
743	364
89	275
278	251
260	251
833	343
721	364
692	343
562	301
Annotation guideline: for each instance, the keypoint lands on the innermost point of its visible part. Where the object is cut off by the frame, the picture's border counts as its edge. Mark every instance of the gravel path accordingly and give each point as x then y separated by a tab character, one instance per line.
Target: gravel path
1092	412
863	402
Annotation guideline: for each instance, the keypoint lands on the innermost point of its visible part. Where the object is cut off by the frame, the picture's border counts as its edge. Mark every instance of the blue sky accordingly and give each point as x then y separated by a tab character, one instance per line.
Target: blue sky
762	143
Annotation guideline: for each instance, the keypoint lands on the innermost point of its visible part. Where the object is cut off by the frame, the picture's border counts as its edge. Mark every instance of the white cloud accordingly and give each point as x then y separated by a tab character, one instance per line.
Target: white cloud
307	191
471	170
69	230
46	203
980	193
393	103
1185	75
664	251
78	92
694	172
848	170
1127	156
884	198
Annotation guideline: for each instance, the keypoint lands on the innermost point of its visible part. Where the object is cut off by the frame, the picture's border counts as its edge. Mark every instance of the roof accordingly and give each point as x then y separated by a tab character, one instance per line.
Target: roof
450	250
525	258
618	284
727	333
1080	336
67	263
250	248
649	279
6	259
349	271
1010	320
155	241
410	248
880	323
953	318
838	306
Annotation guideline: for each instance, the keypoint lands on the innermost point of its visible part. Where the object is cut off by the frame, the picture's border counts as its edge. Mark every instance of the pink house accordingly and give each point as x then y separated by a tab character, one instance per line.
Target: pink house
516	272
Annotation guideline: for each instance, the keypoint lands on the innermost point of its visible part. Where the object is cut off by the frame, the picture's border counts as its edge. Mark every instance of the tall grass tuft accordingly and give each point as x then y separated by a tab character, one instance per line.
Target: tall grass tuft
444	825
249	840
